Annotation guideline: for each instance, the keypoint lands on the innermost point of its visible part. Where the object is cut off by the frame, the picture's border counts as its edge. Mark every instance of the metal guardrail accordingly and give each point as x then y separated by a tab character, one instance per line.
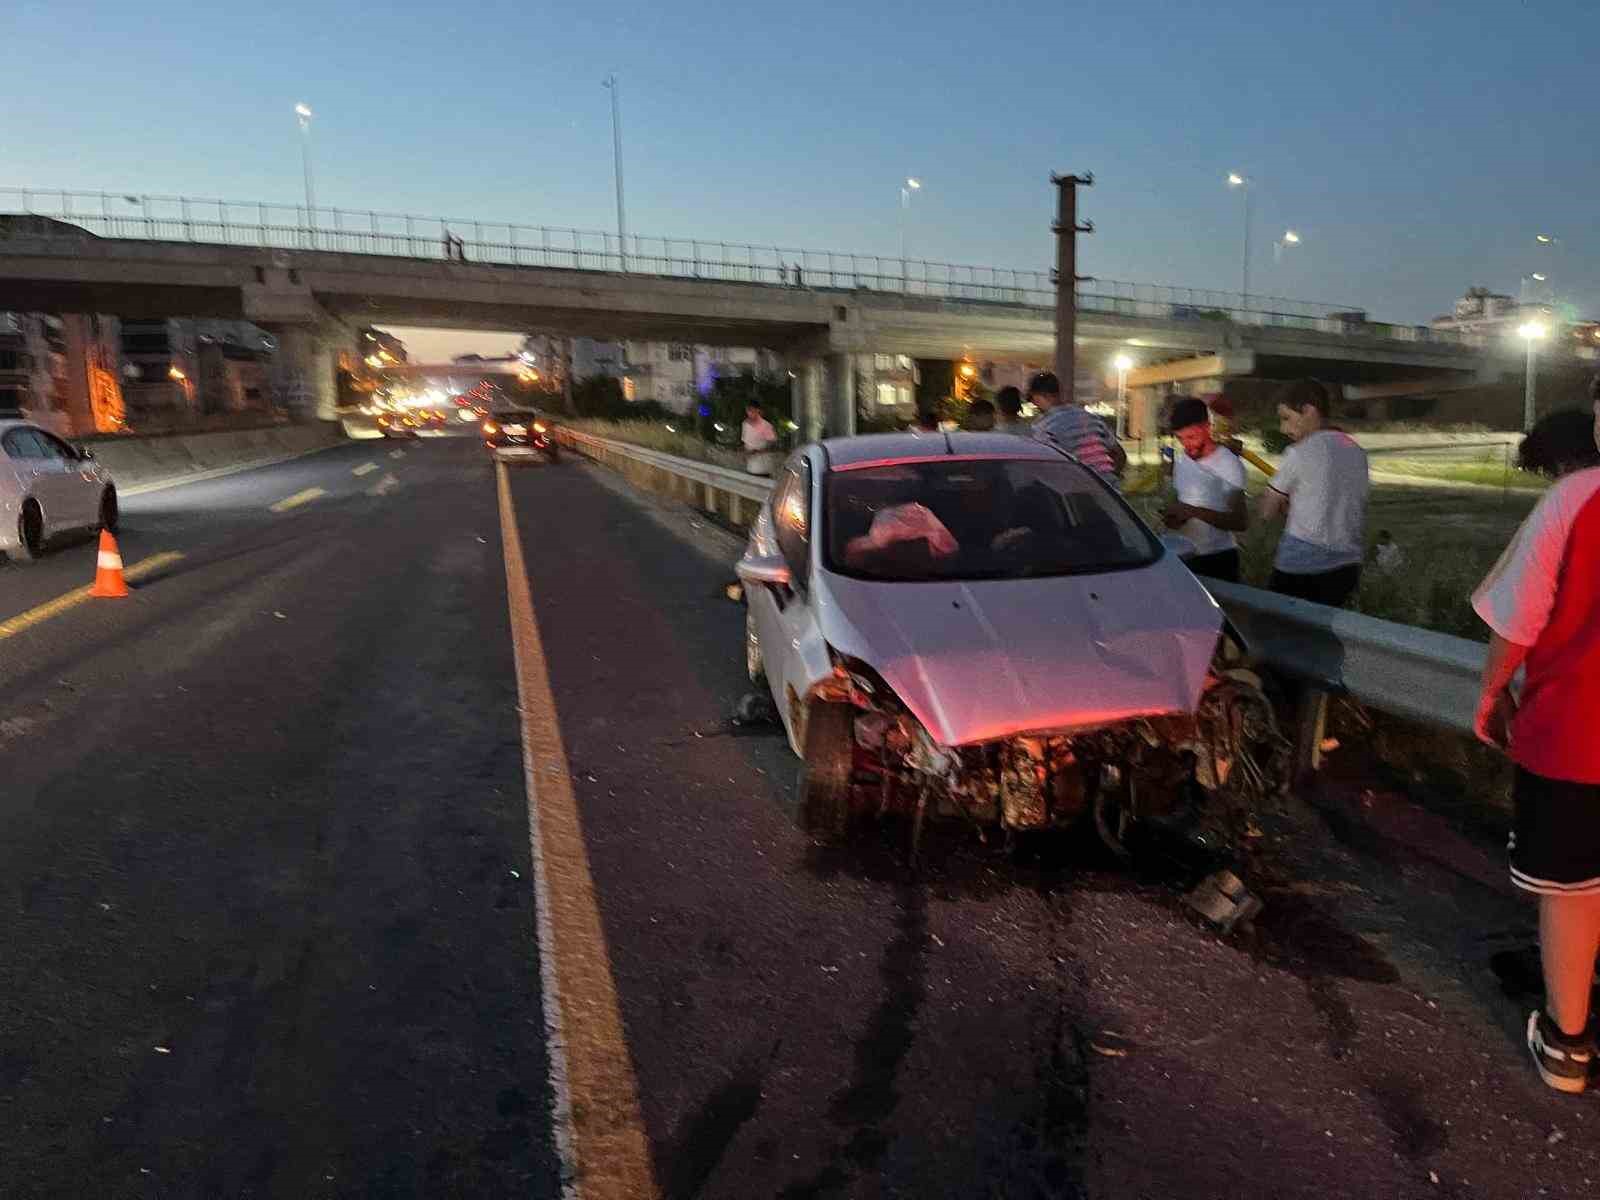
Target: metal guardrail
454	239
1414	673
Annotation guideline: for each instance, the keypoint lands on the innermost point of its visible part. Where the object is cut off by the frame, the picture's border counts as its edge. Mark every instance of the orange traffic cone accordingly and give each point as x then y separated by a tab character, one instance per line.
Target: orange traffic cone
108	580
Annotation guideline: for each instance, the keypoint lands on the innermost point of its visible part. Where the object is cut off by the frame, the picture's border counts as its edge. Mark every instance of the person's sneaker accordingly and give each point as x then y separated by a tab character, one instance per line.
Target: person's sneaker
1562	1061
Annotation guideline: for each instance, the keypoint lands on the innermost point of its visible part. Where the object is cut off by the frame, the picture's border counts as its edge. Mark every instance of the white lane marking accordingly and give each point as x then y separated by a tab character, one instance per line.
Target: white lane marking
384	486
364	469
397	454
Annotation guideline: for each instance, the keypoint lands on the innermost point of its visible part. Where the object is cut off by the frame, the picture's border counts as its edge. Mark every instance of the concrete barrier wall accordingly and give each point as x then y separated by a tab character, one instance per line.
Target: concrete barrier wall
135	461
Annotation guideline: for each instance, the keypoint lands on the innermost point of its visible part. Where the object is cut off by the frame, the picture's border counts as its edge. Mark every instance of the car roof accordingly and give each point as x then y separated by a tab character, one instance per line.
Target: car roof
885	448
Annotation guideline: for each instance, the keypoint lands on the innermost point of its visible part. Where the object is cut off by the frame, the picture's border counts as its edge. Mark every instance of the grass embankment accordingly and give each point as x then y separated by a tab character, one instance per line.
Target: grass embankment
654	436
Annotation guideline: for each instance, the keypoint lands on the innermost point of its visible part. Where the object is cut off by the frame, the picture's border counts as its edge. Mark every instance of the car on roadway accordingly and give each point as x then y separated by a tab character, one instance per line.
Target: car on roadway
976	626
399	425
519	435
48	487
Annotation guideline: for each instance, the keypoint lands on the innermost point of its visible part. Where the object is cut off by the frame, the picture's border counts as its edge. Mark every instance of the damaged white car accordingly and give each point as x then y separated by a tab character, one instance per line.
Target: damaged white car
974	626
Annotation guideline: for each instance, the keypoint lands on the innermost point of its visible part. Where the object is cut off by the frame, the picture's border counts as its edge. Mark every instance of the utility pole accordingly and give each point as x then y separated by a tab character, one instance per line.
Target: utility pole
1067	229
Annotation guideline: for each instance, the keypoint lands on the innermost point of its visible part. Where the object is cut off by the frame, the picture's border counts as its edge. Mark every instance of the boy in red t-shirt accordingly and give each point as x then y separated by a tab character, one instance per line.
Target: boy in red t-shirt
1542	602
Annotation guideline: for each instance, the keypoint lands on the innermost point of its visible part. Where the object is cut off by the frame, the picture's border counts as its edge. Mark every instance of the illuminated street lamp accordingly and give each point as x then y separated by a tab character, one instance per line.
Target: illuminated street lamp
1289	238
1123	364
1236	180
1531	332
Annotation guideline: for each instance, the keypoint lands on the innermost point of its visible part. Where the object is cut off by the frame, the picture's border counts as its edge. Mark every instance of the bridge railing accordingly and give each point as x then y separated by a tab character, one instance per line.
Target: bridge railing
39	212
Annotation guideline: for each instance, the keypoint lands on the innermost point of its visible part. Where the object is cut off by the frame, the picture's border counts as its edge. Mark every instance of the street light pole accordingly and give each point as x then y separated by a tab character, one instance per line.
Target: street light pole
911	184
1123	363
610	84
303	112
1530	332
1242	182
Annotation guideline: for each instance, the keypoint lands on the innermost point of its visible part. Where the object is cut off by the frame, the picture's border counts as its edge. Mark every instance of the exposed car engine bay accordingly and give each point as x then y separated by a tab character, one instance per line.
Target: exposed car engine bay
1202	774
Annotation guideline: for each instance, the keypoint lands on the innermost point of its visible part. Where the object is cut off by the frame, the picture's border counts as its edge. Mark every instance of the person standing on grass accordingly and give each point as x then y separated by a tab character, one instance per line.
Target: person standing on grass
1209	480
1322	486
1542	603
1073	428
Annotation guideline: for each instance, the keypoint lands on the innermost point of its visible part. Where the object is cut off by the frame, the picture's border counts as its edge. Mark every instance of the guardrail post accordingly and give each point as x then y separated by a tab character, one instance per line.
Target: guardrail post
1311	724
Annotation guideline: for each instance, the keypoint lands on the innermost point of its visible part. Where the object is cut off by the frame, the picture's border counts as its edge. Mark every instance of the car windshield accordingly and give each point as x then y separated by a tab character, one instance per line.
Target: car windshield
978	519
515	414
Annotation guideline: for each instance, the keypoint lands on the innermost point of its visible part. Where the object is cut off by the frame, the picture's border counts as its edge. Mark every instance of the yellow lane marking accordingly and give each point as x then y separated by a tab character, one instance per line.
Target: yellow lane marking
54	608
364	469
296	500
598	1125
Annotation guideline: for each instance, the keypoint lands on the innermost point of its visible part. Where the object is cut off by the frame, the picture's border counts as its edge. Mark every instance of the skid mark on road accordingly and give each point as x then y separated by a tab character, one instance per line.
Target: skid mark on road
599	1129
54	608
296	500
364	469
863	1107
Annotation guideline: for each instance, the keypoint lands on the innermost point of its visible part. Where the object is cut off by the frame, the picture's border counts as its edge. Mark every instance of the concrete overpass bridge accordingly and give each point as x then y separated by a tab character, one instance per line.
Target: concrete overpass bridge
313	281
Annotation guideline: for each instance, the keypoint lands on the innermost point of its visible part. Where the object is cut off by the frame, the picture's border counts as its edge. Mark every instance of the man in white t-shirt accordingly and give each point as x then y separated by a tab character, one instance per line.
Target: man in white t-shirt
1209	480
759	438
1322	485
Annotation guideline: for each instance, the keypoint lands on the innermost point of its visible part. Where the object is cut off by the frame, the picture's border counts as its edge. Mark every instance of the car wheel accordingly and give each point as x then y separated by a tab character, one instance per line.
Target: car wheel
822	797
753	665
110	513
30	533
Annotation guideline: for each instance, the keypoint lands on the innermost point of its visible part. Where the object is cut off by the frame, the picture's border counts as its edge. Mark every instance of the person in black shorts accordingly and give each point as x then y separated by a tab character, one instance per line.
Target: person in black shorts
1542	603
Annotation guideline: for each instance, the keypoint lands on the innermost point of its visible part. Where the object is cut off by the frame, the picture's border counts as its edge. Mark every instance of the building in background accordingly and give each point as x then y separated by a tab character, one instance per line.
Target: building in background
94	402
160	370
886	386
62	371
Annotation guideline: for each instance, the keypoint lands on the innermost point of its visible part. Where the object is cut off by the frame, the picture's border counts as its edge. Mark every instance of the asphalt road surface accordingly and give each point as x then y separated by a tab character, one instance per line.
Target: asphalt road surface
267	904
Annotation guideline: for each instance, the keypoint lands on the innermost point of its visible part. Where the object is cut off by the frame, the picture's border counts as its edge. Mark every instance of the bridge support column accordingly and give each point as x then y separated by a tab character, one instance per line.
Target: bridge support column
841	420
303	375
805	388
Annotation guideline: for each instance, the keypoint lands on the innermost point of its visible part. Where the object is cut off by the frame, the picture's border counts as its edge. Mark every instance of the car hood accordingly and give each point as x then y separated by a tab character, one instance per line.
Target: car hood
979	660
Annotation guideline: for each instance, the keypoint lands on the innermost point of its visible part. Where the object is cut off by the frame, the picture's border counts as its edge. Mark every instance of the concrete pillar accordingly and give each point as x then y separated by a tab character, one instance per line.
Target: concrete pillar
841	420
303	373
806	393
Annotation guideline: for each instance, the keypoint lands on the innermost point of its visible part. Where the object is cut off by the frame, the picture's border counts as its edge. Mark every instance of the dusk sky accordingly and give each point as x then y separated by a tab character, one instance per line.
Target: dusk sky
1417	148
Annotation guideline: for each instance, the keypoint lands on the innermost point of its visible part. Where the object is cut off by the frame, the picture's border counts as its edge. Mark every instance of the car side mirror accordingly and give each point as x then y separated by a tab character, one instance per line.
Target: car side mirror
766	569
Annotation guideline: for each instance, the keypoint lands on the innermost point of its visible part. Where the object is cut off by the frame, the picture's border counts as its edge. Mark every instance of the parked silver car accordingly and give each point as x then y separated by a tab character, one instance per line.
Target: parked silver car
47	487
976	626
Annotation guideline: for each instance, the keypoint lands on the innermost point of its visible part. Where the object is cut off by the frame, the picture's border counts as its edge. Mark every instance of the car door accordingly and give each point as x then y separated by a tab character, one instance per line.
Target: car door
25	456
785	621
79	489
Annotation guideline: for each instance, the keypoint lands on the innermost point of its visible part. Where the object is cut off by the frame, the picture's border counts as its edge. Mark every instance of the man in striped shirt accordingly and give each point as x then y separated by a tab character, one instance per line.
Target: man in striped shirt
1068	426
